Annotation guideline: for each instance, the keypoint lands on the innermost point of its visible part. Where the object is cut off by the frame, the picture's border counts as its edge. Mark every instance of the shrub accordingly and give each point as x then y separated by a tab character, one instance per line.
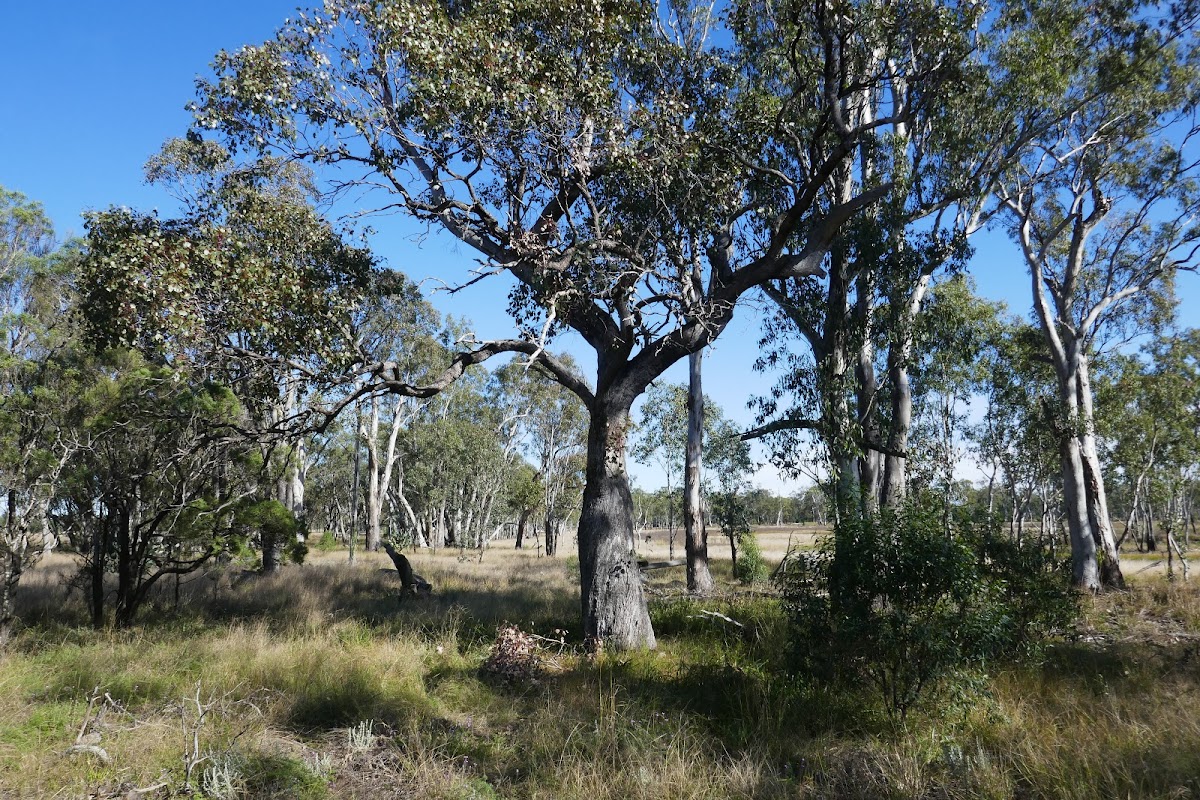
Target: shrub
274	522
326	544
751	567
730	512
903	601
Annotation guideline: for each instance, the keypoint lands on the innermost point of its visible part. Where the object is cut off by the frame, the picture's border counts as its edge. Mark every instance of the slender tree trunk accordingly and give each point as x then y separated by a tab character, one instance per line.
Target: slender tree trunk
99	562
370	434
670	518
272	545
355	481
1085	568
1135	498
1097	497
14	556
613	603
699	578
299	477
870	471
521	520
550	535
1146	516
895	466
126	567
1083	481
848	500
7	617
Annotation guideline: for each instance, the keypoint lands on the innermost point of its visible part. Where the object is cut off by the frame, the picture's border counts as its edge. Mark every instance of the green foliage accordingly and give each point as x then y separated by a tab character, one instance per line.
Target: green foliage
251	260
525	491
751	567
153	493
904	602
277	775
326	544
39	385
274	523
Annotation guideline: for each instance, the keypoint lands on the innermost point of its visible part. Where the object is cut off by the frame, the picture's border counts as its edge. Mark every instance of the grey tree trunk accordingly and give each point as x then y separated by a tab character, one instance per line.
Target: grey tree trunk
524	518
1097	497
613	603
895	470
1086	508
13	566
699	578
895	467
378	477
553	535
298	479
355	481
1085	569
870	471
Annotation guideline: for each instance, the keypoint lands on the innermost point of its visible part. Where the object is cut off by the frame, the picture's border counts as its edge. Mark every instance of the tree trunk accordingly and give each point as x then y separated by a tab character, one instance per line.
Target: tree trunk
895	470
272	545
14	556
1097	497
353	538
128	566
298	478
272	554
895	466
550	535
1084	565
100	542
870	470
521	520
370	434
699	578
613	604
6	606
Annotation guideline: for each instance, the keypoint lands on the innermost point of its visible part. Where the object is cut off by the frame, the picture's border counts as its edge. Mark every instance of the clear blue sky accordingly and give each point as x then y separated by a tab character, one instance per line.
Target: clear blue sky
92	89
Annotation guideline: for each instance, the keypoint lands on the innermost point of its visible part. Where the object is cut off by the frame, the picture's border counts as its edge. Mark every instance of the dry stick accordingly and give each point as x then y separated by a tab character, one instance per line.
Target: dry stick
90	747
1174	545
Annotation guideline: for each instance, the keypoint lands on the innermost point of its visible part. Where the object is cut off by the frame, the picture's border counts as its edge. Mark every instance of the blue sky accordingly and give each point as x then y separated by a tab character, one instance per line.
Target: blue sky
93	89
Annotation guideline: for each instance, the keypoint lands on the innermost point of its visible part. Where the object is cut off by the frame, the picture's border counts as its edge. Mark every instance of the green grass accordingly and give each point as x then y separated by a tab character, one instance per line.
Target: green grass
283	668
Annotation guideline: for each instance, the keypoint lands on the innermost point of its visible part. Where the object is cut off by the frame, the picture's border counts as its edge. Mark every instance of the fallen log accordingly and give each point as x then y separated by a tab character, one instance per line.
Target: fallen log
410	582
649	565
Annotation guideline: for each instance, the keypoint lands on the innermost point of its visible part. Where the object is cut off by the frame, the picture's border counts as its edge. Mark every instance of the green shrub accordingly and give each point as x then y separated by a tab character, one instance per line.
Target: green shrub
903	601
751	567
327	543
274	522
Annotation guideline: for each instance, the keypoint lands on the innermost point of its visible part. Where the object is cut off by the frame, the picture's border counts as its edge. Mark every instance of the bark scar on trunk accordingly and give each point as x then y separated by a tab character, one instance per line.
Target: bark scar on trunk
614	450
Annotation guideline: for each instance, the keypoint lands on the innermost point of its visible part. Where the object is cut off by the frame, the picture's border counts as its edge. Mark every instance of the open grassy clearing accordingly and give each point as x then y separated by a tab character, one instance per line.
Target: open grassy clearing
321	682
774	541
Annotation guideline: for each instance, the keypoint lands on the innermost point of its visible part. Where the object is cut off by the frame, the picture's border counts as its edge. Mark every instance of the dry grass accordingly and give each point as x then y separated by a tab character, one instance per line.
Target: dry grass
283	668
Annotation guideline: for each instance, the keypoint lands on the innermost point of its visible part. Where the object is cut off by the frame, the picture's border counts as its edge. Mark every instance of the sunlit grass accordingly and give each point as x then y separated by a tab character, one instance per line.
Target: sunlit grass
268	676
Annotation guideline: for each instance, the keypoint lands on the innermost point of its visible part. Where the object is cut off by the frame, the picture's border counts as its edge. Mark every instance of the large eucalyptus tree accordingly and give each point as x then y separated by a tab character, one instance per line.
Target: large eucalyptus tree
1104	210
37	385
635	168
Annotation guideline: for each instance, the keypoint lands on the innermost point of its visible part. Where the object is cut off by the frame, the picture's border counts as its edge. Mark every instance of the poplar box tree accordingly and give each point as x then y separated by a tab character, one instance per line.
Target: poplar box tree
637	168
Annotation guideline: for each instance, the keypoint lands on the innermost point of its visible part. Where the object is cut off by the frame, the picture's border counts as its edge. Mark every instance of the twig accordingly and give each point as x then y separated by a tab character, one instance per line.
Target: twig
716	615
